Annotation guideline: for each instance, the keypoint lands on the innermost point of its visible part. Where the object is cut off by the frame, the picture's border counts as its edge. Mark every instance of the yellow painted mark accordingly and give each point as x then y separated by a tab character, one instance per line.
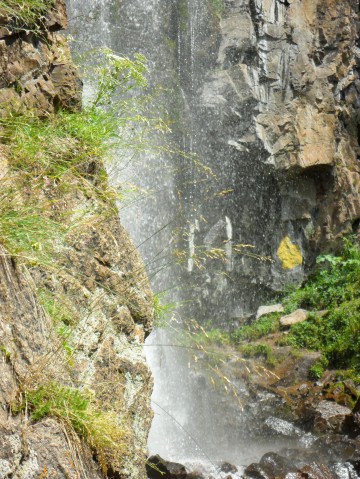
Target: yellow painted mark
289	254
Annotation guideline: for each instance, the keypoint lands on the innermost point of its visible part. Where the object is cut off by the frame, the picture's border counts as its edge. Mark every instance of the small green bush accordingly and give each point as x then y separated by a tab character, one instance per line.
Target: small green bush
317	369
335	287
262	327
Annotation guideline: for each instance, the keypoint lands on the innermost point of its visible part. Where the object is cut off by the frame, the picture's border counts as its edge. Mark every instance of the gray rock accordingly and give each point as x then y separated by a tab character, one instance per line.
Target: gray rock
331	416
273	308
283	428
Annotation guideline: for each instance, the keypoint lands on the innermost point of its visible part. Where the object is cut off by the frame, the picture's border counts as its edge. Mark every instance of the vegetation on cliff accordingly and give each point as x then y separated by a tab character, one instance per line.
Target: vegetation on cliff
29	13
57	212
78	411
332	297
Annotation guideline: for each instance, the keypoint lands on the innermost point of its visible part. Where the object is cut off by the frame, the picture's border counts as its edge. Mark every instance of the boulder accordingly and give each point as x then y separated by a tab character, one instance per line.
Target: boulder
331	416
314	471
158	468
228	468
255	471
298	316
282	428
275	465
356	414
273	308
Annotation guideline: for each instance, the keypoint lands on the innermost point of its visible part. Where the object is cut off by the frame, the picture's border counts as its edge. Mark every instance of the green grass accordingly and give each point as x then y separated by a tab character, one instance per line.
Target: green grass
101	430
56	307
65	151
26	233
259	350
26	13
262	327
162	310
62	143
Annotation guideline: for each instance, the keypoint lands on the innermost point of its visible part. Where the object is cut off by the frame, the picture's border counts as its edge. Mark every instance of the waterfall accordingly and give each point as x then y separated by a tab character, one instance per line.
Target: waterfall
214	199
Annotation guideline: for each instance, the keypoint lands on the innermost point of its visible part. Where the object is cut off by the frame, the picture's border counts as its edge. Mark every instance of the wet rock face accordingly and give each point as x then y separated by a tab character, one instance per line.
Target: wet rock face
294	66
306	81
332	416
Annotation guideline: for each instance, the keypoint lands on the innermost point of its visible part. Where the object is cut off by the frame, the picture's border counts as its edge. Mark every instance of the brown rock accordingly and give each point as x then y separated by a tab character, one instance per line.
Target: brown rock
298	316
331	416
316	471
57	18
67	85
158	468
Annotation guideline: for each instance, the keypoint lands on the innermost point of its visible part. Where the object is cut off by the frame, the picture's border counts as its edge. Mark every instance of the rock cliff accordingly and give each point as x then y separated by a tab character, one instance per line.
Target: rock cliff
85	371
265	93
294	66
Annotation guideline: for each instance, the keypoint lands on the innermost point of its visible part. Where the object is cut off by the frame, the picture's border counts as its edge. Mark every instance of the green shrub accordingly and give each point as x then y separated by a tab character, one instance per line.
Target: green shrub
262	327
318	368
335	287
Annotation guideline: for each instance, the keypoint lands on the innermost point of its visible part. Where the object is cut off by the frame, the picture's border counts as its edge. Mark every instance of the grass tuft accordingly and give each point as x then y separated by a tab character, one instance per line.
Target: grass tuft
26	13
101	430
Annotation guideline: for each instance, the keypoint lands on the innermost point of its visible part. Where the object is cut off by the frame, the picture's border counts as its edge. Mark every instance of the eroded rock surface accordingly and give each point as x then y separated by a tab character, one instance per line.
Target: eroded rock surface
35	67
97	274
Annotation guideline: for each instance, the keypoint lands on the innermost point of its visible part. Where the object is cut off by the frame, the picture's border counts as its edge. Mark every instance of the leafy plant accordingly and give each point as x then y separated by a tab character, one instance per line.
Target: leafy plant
335	287
6	353
317	369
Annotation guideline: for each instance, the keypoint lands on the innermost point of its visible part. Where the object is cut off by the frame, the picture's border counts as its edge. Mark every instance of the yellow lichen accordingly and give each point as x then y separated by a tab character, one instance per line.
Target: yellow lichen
289	254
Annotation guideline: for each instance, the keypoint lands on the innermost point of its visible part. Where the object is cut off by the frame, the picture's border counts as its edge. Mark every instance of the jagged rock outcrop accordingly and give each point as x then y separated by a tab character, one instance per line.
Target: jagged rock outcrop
35	67
295	65
307	84
98	278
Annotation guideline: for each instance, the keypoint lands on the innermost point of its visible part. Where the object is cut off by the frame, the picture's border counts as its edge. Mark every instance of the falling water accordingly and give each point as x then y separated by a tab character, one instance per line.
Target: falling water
224	196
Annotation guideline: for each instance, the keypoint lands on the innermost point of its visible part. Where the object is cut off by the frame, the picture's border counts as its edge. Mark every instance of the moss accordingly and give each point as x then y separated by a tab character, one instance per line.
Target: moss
259	350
